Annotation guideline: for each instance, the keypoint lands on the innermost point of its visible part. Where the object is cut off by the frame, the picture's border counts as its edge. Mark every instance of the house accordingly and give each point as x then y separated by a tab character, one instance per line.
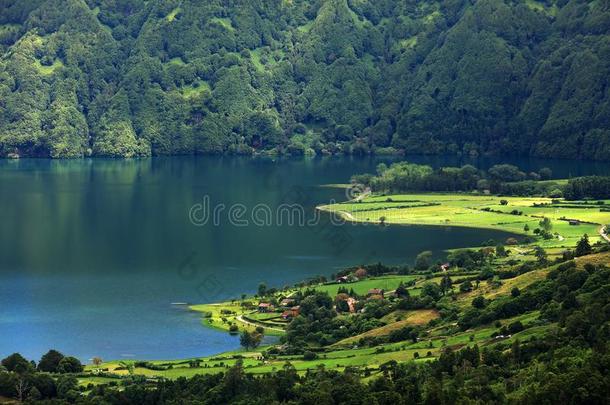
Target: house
375	291
351	303
445	266
287	302
291	313
342	279
265	307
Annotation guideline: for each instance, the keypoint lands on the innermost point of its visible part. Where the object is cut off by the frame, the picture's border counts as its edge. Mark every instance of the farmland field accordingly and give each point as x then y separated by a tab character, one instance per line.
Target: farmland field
511	214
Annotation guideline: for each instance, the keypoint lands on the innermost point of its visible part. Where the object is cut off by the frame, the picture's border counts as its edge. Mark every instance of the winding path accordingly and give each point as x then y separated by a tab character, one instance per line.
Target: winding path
603	235
240	318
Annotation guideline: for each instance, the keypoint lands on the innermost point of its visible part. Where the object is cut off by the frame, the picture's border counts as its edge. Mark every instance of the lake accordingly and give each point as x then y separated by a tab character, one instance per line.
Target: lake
94	252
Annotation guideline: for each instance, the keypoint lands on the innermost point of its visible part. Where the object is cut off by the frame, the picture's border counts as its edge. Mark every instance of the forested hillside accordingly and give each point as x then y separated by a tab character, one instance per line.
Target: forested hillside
133	77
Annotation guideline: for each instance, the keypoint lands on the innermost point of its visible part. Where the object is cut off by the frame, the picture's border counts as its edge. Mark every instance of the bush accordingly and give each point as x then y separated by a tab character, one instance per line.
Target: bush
479	302
308	355
515	327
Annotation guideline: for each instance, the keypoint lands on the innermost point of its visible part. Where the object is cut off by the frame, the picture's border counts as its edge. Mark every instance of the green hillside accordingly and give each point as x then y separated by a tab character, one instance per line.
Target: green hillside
135	78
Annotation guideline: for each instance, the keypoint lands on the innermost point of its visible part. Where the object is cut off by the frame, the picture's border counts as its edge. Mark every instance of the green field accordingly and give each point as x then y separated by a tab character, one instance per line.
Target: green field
480	211
217	316
387	283
48	70
173	14
196	89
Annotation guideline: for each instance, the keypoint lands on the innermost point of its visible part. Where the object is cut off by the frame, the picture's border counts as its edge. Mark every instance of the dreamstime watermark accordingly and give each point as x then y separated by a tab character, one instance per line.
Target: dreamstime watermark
206	284
239	215
296	209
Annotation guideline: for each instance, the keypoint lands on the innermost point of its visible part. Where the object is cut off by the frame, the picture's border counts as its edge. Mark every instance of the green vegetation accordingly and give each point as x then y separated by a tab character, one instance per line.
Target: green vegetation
549	214
496	329
569	222
242	315
50	69
304	77
173	14
387	283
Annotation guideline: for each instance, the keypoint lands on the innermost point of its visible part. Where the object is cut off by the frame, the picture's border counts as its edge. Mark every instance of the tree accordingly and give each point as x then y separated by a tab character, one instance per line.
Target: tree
250	340
21	388
34	394
545	173
446	284
17	363
401	290
505	172
309	355
342	306
540	254
262	289
501	250
515	292
423	260
479	302
50	361
546	224
69	365
583	247
97	361
67	387
431	290
466	286
515	327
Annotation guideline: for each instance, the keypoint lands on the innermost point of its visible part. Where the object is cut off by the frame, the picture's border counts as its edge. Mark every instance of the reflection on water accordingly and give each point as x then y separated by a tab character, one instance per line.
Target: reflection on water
93	252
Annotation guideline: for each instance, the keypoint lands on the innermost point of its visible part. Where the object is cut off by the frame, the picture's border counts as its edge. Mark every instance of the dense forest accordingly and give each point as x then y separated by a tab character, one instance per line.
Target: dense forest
136	78
502	179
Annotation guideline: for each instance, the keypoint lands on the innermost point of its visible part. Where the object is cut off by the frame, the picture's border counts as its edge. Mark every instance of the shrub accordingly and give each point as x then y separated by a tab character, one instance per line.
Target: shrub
479	302
308	355
515	327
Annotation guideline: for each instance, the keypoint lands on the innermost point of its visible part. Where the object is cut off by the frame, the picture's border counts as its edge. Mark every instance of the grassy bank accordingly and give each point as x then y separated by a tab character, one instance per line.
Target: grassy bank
339	359
518	215
241	313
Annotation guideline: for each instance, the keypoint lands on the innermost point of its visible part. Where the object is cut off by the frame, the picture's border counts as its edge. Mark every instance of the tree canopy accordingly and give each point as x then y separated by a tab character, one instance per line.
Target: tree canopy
138	78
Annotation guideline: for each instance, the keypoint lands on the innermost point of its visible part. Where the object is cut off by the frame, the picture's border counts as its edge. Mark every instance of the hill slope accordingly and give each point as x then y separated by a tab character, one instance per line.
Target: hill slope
134	77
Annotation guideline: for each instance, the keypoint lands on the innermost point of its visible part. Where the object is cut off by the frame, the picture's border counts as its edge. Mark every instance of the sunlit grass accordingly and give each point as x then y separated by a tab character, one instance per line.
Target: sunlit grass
480	211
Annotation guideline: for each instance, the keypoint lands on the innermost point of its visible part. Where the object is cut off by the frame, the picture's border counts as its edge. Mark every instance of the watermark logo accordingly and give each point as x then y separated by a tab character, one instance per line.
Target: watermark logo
290	213
356	191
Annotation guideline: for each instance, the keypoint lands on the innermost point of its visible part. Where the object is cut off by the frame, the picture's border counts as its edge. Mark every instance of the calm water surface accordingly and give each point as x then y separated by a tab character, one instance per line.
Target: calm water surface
94	252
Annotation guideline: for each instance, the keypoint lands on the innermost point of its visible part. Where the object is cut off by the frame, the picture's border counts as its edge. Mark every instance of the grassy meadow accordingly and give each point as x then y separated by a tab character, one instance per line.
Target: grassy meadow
482	211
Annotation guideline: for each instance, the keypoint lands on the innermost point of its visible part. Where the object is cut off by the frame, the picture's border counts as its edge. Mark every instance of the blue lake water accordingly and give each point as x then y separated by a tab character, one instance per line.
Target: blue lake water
94	252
